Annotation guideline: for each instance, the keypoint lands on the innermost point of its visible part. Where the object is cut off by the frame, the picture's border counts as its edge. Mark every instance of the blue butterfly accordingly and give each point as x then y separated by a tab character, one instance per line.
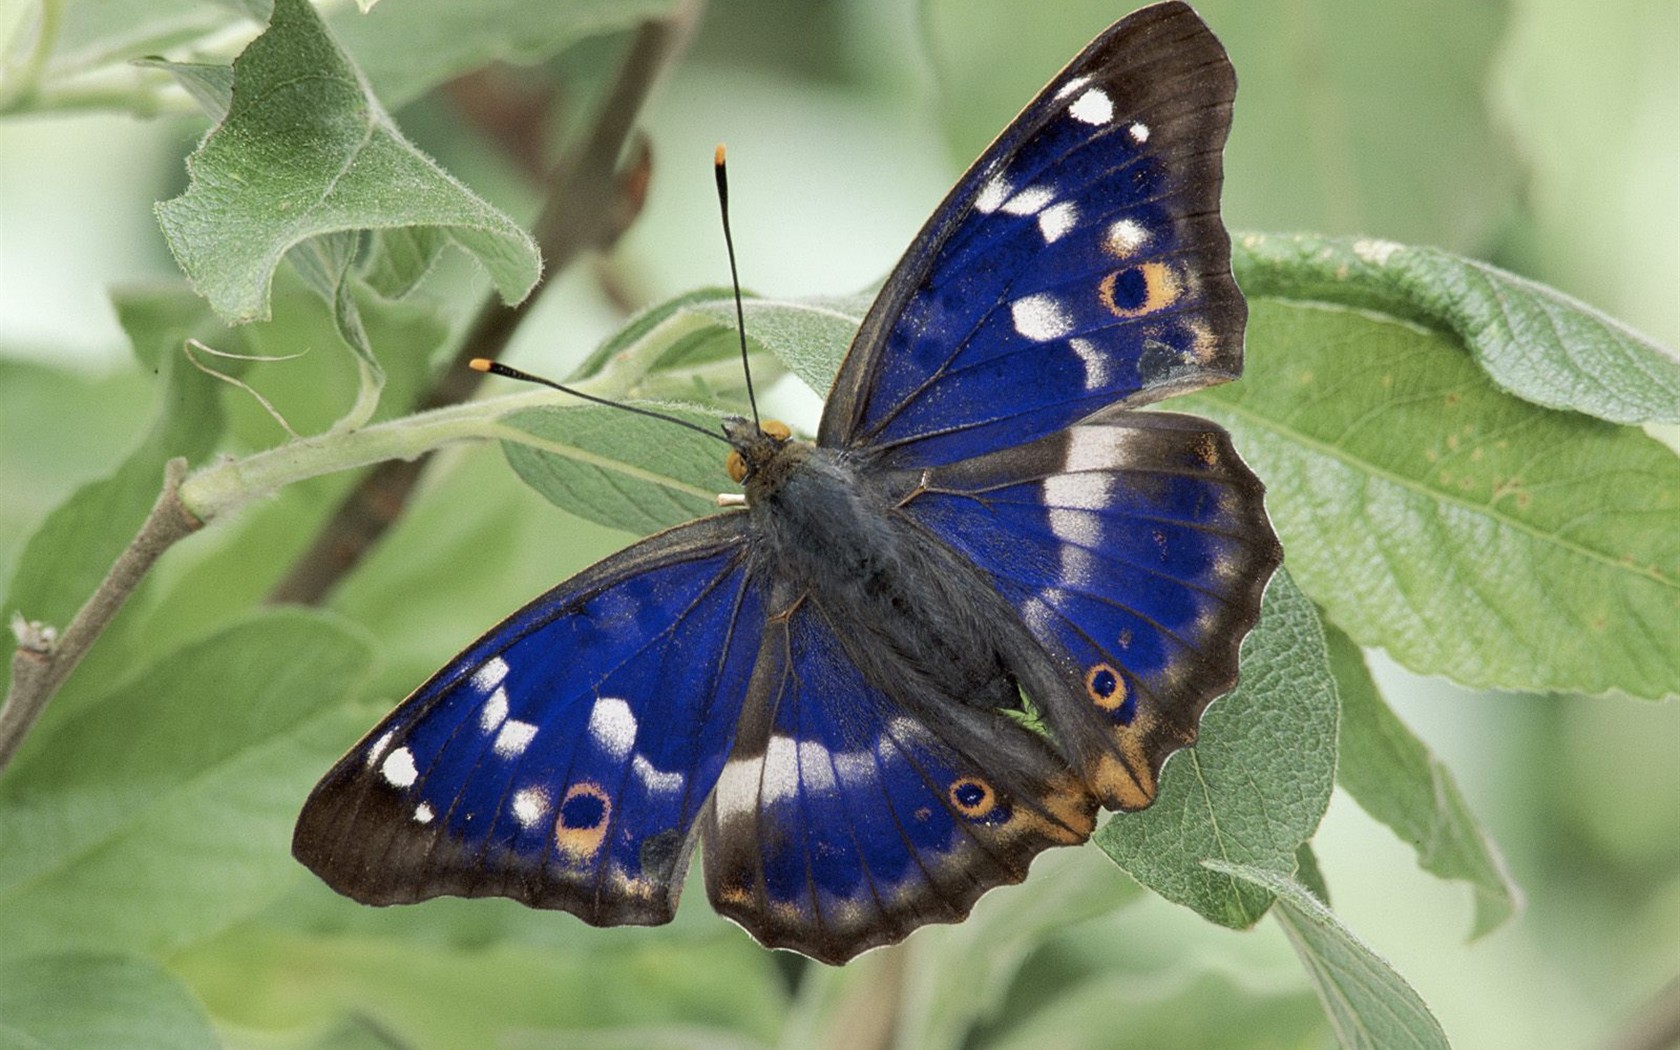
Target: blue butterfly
988	600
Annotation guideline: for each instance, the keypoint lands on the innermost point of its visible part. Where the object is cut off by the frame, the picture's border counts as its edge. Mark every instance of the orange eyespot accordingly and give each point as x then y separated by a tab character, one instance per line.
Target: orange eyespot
736	466
972	797
776	428
1105	687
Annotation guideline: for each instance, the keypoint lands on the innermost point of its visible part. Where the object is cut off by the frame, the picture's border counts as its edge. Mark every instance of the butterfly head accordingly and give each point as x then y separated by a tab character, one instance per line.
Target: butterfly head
762	453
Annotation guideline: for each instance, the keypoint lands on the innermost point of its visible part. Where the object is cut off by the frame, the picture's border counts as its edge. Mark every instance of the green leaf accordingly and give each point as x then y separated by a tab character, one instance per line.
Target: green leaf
1467	532
434	991
1536	342
62	426
307	150
410	47
73	549
618	469
401	258
163	813
1370	1006
1393	777
1254	787
1307	871
209	83
75	1001
810	335
1184	1008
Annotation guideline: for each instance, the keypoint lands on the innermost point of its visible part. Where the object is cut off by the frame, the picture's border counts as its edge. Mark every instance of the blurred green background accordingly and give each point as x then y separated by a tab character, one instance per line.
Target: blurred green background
1543	135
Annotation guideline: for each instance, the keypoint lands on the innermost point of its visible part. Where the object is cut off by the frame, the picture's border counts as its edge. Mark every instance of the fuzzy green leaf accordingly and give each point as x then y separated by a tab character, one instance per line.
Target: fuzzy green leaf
438	988
1256	785
72	550
163	812
1393	777
307	150
210	84
73	1001
803	333
1536	342
1466	531
618	469
1370	1006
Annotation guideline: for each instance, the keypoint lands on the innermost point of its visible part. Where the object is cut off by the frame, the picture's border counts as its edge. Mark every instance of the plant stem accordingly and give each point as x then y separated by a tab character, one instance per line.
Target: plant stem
41	663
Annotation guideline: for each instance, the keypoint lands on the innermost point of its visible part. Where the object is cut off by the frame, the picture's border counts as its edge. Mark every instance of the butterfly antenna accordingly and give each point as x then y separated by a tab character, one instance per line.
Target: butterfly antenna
496	368
721	171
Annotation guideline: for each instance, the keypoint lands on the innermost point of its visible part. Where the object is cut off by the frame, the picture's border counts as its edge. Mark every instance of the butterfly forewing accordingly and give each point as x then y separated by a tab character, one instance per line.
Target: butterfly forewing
1079	262
562	760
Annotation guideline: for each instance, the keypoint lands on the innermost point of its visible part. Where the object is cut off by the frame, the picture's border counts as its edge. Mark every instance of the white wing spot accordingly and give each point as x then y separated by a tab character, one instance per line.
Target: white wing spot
515	736
1029	200
1093	107
1125	237
656	780
781	769
530	805
423	813
490	675
1095	448
1071	86
992	195
494	711
1139	132
1057	220
816	768
398	768
1098	367
613	726
737	787
1039	317
378	749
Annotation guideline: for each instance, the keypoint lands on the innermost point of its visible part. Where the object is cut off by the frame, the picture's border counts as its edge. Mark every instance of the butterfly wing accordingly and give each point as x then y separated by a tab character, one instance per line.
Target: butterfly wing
1135	547
563	758
1080	261
843	820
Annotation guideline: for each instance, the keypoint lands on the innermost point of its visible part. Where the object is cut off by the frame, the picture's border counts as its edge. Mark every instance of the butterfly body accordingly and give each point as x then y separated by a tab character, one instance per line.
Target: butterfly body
824	689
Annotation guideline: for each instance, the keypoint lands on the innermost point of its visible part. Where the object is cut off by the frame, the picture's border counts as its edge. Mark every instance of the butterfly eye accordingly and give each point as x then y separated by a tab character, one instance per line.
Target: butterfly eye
776	428
736	466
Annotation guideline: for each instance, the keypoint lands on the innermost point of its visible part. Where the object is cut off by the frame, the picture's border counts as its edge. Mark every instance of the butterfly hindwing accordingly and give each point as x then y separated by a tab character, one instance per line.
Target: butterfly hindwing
561	760
1135	547
1080	262
844	821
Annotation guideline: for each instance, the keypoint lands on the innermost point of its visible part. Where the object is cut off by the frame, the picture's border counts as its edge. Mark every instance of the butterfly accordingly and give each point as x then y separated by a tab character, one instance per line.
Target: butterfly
987	601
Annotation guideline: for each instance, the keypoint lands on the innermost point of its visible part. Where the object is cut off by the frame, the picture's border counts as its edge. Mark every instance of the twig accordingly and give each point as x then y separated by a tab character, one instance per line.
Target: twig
1656	1026
589	204
41	662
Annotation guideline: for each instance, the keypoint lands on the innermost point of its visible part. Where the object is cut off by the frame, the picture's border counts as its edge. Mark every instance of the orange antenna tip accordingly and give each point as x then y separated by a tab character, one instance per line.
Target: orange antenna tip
717	156
480	364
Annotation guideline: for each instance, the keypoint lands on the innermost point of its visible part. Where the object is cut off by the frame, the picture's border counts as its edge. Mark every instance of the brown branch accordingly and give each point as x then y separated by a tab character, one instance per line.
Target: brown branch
591	200
1656	1026
42	661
